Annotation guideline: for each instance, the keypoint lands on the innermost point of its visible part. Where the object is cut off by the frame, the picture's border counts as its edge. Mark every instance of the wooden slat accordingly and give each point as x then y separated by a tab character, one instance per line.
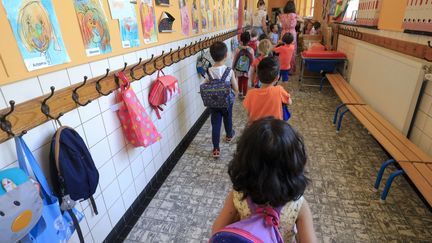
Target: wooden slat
420	181
377	133
28	115
345	92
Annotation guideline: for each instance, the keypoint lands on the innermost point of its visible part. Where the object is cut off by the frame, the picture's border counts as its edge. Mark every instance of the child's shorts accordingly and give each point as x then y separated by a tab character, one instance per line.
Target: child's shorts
284	75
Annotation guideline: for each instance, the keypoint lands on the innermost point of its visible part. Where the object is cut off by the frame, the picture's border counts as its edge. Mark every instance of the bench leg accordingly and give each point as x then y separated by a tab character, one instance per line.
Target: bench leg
322	83
340	119
381	172
337	112
389	182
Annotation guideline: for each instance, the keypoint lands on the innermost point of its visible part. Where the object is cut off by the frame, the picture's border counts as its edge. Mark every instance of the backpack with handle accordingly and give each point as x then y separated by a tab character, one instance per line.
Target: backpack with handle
20	204
216	93
260	227
137	126
243	61
164	88
54	225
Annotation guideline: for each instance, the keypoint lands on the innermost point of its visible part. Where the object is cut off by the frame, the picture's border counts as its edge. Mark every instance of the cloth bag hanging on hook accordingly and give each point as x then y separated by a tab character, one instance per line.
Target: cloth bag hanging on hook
164	88
54	225
136	124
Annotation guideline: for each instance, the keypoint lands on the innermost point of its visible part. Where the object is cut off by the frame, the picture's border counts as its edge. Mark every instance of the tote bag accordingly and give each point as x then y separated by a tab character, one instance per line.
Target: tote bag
136	124
54	226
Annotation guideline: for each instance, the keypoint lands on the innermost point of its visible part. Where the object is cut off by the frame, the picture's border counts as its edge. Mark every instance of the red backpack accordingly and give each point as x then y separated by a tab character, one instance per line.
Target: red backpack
164	88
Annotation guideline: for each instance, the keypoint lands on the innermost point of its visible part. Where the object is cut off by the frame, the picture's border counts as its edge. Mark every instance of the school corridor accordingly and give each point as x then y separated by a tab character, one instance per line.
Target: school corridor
342	168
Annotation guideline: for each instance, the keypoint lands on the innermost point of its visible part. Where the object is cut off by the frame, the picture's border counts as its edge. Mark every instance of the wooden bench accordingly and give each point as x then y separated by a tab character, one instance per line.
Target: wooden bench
346	94
416	164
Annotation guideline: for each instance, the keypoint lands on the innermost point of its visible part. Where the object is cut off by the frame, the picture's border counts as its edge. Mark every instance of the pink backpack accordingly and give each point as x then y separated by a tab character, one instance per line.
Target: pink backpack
164	88
136	124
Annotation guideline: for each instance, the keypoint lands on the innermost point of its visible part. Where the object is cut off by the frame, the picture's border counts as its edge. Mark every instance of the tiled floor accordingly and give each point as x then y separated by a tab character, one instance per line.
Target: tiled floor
342	168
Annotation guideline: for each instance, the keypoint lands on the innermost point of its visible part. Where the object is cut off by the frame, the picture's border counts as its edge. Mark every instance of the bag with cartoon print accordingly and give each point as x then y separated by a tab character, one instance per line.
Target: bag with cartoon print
137	126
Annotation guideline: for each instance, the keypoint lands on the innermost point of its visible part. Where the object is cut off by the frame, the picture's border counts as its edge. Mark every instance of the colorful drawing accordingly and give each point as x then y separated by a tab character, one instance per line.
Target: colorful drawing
195	18
93	25
148	21
37	32
124	11
163	2
185	20
204	21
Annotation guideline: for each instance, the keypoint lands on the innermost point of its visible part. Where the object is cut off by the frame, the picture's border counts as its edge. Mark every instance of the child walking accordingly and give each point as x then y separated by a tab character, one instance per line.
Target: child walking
220	71
264	50
253	42
274	34
268	170
269	99
285	52
242	61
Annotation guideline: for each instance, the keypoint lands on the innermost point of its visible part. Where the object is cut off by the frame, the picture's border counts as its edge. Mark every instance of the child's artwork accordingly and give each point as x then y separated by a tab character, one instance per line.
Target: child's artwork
195	18
215	23
124	11
210	19
37	32
163	2
166	22
204	21
93	25
185	20
148	21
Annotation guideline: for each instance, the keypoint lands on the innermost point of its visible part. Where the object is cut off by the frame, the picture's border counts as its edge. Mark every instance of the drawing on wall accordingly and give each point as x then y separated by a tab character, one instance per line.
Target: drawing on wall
166	22
204	21
195	18
163	2
185	20
93	24
215	23
124	11
37	33
148	21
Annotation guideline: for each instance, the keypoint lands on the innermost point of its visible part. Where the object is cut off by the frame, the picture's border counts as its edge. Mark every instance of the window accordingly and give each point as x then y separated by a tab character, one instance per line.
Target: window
351	12
311	13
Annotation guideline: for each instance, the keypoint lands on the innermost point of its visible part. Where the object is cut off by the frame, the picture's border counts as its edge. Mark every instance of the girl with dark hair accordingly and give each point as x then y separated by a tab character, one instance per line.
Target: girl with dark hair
268	168
288	21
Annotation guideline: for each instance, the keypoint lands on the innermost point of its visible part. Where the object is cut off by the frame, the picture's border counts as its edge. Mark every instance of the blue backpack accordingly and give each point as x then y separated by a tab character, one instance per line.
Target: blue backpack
217	92
243	61
260	227
73	171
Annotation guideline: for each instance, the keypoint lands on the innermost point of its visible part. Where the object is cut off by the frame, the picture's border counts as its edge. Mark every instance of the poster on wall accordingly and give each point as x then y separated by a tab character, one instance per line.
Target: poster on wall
93	25
37	32
195	18
163	2
124	11
204	21
185	20
148	21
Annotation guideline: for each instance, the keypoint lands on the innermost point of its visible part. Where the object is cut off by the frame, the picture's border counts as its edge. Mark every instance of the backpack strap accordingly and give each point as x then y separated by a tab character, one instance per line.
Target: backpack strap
76	225
225	74
210	76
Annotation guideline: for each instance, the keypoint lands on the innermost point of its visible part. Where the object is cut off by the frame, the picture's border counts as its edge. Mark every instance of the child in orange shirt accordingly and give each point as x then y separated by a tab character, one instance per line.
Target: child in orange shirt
285	52
264	50
268	100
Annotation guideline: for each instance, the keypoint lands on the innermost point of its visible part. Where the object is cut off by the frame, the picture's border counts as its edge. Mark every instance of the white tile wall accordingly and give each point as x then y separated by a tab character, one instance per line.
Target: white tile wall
124	170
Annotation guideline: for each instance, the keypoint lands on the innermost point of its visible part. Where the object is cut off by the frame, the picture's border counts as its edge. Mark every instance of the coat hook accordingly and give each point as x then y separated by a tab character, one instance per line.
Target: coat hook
145	65
75	95
99	87
6	125
429	44
125	66
46	109
195	45
155	61
163	58
132	70
178	55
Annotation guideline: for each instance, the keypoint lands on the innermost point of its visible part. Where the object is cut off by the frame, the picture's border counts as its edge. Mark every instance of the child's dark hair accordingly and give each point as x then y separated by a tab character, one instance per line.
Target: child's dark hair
218	51
289	7
317	25
268	165
262	37
254	33
268	69
288	38
245	38
272	26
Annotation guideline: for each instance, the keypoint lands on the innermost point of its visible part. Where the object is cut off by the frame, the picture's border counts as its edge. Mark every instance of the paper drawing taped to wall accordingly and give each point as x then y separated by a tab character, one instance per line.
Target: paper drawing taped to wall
124	11
93	24
148	21
204	21
195	18
185	20
37	33
163	2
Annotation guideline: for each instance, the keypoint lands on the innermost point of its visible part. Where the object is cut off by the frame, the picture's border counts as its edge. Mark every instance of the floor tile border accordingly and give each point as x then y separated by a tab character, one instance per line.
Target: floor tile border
134	212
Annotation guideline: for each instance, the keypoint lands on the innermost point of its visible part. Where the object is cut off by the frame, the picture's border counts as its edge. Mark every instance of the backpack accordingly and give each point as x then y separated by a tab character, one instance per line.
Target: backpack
260	227
203	64
19	199
164	88
73	172
217	92
243	61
